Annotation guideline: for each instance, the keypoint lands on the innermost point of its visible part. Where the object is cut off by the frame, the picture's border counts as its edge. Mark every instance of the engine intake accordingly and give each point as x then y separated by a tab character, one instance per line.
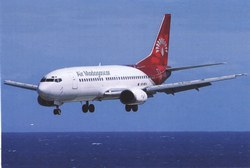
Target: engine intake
133	96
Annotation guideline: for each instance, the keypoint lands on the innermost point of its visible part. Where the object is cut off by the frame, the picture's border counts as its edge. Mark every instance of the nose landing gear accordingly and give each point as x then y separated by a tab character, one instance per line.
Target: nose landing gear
57	111
88	107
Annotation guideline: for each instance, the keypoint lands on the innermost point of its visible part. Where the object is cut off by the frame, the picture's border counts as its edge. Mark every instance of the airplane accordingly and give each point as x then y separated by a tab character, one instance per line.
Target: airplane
132	84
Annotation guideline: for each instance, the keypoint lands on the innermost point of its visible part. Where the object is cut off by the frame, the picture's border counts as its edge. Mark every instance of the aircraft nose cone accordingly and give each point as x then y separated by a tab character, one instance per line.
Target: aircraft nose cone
43	90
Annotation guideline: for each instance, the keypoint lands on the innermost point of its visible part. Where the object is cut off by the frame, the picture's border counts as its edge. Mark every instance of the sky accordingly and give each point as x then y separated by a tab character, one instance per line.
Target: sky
40	36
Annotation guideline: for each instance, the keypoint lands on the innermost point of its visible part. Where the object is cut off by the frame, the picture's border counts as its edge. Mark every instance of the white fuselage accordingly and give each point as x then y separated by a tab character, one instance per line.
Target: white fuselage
90	82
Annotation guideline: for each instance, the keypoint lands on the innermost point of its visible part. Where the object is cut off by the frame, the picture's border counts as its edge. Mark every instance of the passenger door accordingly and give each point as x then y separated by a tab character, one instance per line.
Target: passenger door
74	81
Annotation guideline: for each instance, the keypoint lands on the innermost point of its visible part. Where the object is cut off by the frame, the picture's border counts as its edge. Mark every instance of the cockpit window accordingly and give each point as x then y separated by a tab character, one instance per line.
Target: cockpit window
43	79
58	80
51	79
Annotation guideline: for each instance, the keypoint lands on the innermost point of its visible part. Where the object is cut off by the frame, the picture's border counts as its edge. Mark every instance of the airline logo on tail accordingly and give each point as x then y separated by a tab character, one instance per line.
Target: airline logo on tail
161	46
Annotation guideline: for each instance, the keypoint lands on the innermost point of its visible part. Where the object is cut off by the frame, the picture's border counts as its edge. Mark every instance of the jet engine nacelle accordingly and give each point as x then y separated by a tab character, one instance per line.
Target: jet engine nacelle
133	96
44	102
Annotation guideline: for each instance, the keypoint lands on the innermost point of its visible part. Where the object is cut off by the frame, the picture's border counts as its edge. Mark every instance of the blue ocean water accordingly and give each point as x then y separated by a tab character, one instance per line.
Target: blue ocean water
126	149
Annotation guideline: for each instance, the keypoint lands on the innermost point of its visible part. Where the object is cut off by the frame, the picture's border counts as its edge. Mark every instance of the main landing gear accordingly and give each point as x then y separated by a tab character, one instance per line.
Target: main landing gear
57	111
91	108
134	108
88	107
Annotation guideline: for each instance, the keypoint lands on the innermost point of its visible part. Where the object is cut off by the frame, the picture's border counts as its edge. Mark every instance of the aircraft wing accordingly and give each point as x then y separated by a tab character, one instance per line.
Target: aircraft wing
173	88
21	85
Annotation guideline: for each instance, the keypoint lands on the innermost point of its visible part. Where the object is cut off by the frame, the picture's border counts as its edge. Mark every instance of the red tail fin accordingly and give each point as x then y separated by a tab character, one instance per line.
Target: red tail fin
156	63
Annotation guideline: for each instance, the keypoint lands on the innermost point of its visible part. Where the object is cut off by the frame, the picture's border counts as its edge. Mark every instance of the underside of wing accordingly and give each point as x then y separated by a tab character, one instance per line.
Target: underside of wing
173	88
21	85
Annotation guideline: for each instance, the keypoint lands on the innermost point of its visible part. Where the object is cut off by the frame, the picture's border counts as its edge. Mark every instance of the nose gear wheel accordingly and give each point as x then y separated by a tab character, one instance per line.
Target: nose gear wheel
57	111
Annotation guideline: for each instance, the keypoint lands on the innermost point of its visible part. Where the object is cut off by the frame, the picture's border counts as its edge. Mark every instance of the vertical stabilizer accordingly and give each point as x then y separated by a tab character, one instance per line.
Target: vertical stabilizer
156	63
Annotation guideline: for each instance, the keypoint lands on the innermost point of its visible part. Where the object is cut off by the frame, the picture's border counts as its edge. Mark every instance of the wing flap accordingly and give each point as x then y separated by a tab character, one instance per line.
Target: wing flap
185	88
21	85
188	85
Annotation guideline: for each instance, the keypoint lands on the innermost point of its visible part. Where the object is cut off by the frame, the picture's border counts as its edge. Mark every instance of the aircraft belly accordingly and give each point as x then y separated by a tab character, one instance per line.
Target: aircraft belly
88	94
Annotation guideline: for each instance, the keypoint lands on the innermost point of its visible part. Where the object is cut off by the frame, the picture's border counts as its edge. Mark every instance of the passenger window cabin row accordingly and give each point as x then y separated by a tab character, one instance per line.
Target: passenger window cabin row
113	78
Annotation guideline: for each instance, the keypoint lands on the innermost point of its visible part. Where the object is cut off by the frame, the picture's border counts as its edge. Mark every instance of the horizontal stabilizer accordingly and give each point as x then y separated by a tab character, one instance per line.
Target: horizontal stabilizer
191	67
21	85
